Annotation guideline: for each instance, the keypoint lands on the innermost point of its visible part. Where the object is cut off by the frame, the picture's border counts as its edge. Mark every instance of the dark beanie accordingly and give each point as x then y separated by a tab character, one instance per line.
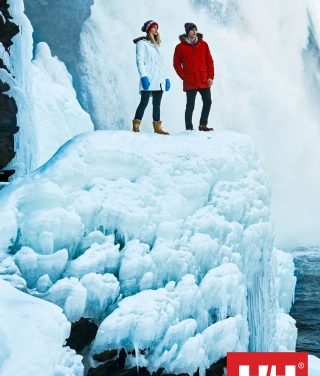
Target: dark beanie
148	25
188	26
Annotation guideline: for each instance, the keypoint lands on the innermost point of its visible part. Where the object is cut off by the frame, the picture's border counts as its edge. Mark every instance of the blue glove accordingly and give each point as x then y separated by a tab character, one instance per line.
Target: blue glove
145	83
168	84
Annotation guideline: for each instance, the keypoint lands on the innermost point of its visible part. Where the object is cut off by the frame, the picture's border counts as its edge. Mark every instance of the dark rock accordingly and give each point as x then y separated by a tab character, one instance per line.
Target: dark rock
8	107
3	66
8	126
6	149
106	356
8	111
8	29
82	334
4	176
115	367
4	87
217	368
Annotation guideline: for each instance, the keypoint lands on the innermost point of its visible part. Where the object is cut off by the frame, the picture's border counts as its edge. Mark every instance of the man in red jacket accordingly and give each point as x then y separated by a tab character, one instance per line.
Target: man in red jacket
194	65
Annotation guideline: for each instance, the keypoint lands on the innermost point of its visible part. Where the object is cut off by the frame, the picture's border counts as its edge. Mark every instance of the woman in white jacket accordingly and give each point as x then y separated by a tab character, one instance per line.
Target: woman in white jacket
152	79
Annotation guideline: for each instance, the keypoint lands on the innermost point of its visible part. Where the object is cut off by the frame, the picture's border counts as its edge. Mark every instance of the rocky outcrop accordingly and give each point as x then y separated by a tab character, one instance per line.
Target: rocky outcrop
8	29
8	125
82	334
114	364
8	107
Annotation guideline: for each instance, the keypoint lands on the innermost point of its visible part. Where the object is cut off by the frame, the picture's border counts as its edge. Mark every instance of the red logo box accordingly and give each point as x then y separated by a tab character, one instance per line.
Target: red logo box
267	364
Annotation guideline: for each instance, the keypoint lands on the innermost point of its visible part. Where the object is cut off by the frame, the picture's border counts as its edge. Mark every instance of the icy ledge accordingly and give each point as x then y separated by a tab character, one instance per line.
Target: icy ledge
166	242
32	334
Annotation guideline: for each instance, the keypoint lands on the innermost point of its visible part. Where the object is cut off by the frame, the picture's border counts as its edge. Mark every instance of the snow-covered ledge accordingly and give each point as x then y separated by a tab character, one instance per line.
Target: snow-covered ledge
166	242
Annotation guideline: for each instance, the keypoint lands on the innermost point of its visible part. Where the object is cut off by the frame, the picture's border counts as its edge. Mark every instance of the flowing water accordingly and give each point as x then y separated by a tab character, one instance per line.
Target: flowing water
306	308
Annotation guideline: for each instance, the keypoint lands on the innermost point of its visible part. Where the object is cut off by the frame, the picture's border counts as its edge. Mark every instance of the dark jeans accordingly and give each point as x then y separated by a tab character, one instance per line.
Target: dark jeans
191	99
156	101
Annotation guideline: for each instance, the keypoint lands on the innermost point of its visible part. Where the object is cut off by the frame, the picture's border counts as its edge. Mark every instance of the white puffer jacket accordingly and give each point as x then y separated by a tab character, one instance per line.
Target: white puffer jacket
150	64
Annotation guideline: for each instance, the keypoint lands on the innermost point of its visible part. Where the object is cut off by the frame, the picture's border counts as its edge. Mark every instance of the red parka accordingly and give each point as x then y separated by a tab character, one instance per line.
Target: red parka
193	63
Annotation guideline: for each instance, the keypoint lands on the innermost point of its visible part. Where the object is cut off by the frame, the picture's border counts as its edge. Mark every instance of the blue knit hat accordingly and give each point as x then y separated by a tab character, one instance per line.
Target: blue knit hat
148	25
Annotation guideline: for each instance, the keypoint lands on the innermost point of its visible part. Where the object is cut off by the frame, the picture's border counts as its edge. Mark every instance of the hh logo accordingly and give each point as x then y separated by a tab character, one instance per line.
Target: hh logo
267	364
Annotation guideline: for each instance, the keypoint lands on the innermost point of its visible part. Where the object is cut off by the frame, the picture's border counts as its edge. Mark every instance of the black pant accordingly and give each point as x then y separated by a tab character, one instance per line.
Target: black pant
156	101
191	98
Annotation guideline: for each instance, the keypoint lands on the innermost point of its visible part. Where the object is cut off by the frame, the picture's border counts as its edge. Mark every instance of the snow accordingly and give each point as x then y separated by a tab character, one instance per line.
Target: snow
165	242
29	344
313	365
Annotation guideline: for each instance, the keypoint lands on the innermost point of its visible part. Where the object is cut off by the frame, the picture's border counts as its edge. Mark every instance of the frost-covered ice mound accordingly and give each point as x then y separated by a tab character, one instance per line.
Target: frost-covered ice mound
165	242
32	334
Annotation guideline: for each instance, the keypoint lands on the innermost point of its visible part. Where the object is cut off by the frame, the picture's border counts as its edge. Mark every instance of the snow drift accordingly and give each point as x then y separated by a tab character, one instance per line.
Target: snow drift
32	334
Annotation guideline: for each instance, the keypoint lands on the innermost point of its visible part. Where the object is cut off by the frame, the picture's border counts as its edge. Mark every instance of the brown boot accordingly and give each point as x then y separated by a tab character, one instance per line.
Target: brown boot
157	127
204	128
136	125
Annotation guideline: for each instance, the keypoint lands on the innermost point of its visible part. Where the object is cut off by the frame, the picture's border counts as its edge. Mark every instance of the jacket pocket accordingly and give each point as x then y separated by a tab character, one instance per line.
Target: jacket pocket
189	77
204	76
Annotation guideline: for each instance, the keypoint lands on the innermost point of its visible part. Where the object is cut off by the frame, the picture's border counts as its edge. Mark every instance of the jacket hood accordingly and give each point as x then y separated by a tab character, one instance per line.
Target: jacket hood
139	39
183	37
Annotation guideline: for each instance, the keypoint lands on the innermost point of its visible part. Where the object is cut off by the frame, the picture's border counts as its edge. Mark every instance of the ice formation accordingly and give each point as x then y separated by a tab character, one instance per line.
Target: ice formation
166	243
57	113
48	111
19	79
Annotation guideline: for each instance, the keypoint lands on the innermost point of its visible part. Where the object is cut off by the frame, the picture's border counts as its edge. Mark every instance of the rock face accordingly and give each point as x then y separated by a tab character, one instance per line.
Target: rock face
115	365
82	334
8	107
8	125
8	29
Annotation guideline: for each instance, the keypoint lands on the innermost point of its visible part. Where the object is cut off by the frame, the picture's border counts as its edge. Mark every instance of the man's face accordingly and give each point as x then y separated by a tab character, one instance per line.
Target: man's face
193	33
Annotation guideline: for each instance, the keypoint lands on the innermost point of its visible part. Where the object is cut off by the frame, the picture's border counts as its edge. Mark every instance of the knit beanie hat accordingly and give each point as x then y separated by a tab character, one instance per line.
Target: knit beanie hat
188	26
148	25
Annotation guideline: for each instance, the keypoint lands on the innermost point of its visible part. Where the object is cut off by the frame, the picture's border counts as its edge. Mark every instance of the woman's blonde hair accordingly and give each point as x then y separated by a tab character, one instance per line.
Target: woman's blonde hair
154	38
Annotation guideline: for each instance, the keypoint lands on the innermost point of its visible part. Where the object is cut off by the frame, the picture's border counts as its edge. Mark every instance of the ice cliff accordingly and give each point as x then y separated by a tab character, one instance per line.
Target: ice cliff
165	242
